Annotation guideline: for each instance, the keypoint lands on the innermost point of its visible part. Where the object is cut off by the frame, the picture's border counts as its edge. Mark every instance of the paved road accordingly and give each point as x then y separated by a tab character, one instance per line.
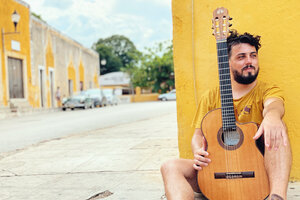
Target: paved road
120	162
17	133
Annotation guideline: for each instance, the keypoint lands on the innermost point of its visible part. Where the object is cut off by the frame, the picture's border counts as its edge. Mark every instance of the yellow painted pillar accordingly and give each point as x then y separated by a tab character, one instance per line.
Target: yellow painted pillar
72	75
81	75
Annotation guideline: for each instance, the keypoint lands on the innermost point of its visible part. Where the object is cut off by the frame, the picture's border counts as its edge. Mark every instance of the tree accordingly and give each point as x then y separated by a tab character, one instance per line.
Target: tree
113	63
118	51
155	69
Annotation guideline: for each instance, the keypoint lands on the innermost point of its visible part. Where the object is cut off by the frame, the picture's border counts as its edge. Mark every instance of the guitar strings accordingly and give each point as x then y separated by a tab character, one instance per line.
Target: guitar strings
223	85
227	107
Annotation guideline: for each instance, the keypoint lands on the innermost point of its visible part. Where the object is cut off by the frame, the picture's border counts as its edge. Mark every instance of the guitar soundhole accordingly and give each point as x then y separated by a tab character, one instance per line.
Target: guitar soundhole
230	139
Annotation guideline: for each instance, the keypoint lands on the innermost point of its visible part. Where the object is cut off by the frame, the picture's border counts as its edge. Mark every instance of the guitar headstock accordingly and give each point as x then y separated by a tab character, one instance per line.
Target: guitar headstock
221	23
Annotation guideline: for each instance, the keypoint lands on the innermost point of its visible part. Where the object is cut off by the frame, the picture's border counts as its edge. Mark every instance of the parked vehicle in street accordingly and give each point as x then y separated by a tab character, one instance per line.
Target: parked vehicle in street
98	97
168	96
78	100
112	99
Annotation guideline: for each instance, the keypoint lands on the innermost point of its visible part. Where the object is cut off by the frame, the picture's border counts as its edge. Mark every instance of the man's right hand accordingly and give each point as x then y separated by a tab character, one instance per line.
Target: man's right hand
200	159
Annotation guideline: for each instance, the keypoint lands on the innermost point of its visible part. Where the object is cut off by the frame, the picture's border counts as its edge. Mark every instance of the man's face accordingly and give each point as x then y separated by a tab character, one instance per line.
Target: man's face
244	63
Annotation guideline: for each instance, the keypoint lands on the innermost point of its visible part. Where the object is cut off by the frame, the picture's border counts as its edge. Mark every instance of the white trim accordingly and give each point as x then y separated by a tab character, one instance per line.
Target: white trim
52	96
43	69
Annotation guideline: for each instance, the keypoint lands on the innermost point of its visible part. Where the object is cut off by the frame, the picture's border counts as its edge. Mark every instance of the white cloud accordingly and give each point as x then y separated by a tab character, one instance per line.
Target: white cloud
158	2
88	20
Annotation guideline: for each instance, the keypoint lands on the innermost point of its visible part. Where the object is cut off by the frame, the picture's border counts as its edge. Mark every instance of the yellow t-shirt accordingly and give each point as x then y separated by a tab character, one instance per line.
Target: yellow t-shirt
248	108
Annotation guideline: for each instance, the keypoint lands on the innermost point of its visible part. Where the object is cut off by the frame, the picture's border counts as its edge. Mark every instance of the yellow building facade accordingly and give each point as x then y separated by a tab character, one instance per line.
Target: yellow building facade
195	57
15	76
36	59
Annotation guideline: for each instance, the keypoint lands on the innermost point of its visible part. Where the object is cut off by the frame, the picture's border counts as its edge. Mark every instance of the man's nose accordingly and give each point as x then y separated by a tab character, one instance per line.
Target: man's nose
248	60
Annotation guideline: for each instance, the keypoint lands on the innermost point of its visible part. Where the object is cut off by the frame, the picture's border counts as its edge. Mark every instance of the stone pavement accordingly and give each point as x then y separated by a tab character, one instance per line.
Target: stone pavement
120	163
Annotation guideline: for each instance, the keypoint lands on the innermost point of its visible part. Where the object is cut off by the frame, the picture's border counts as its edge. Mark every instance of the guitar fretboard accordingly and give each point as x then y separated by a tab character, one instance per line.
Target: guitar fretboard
228	117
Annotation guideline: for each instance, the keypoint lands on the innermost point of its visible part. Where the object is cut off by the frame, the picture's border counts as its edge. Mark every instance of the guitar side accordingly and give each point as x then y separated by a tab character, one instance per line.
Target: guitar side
234	174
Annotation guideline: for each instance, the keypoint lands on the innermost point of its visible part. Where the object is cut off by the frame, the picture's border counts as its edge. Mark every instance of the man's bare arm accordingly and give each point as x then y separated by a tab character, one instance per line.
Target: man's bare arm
272	125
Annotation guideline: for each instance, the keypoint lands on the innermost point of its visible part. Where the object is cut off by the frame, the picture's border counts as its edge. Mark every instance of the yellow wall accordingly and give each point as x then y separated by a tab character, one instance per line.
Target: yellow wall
6	9
96	82
49	64
195	57
72	75
81	74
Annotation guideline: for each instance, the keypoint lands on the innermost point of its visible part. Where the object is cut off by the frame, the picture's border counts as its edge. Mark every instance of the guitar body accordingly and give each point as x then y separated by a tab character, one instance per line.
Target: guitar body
236	172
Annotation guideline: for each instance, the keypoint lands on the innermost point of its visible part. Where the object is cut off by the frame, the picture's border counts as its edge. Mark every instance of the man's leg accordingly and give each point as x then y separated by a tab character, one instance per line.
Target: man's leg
278	165
180	179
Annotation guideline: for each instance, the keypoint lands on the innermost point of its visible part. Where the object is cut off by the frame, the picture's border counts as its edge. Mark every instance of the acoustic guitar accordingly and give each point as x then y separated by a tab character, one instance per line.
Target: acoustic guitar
237	169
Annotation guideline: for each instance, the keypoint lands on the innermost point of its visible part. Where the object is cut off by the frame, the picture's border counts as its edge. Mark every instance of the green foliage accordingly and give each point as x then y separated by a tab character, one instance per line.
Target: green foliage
38	16
113	62
155	69
152	69
118	51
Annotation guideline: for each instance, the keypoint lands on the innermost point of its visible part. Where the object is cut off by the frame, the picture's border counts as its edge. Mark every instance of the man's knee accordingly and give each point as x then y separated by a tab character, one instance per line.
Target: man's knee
169	166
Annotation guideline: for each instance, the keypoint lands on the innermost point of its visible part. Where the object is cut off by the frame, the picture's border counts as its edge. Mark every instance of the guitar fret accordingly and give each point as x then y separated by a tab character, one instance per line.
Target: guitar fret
226	84
226	79
227	106
223	67
224	90
223	62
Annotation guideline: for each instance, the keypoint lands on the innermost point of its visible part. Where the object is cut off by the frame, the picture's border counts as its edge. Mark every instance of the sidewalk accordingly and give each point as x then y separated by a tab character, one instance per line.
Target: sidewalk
119	163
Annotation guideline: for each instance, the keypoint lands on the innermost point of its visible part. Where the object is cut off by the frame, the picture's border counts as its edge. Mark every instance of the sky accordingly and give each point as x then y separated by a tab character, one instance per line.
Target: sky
144	22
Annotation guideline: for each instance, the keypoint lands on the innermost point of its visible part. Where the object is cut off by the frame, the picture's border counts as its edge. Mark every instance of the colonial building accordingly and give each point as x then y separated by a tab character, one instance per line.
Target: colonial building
118	81
59	61
36	59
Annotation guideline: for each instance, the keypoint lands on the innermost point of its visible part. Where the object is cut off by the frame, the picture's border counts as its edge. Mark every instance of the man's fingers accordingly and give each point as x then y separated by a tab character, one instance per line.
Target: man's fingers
285	138
267	139
258	133
199	163
202	159
277	140
196	167
201	152
272	139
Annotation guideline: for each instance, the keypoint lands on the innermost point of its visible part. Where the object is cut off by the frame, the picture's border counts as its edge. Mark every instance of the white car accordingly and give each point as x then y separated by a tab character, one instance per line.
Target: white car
112	99
168	96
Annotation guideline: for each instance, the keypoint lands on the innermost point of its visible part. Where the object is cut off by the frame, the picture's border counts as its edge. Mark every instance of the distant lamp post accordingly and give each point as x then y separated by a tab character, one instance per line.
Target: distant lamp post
102	63
15	18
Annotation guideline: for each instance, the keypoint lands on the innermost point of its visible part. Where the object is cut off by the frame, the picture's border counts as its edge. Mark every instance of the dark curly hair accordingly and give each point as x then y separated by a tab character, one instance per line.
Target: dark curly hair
235	38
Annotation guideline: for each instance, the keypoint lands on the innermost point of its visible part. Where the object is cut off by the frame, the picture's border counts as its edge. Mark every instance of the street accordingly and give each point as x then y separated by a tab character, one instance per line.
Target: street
18	133
114	155
120	161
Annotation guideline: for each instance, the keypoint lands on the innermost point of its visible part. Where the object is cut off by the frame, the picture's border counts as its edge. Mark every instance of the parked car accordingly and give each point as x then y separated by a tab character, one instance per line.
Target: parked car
168	96
112	99
98	97
78	100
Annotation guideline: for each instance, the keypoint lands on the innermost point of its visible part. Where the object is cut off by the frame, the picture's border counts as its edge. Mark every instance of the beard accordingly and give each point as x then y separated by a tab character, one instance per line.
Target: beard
245	80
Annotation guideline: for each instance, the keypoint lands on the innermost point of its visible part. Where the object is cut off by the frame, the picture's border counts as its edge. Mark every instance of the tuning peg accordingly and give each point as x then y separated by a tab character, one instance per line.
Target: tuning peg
230	18
212	27
229	25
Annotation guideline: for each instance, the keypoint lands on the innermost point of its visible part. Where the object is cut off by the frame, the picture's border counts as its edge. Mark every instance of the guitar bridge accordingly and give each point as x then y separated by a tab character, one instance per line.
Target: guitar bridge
234	175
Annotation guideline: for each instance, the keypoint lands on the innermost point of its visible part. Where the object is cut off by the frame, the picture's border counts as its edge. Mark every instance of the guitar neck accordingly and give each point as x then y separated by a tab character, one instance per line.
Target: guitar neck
228	117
